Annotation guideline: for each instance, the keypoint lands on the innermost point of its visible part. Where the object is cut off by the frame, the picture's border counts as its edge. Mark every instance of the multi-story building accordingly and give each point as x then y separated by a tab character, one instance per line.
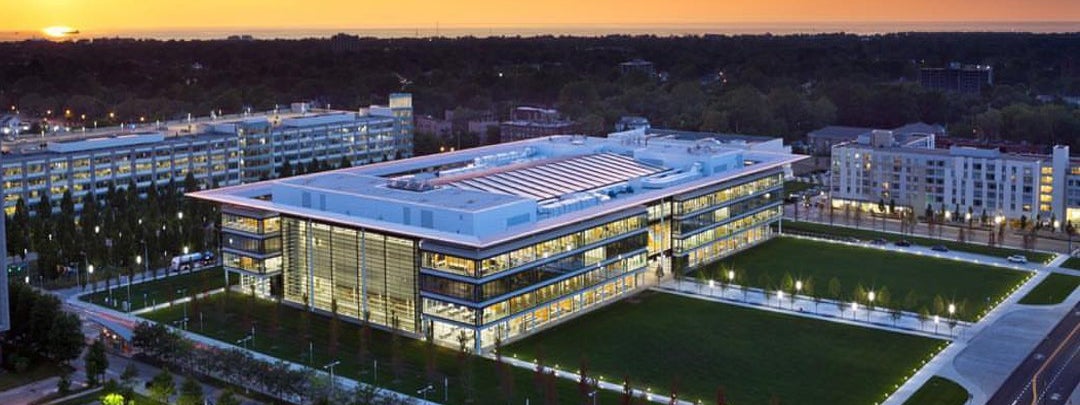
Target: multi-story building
957	77
532	122
500	241
222	151
959	180
820	141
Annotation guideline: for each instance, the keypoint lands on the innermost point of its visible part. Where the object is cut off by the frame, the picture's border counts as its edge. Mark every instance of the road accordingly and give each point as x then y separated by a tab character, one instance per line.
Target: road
1051	372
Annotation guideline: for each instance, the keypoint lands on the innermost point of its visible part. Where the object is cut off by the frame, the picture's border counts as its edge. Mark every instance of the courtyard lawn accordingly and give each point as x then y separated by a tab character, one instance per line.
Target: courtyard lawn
161	290
869	234
286	332
1072	263
1052	290
974	288
939	391
662	341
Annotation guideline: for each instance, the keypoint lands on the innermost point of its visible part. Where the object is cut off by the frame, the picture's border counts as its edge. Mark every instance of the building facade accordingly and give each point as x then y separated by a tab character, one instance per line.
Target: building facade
532	122
957	78
222	152
500	241
958	180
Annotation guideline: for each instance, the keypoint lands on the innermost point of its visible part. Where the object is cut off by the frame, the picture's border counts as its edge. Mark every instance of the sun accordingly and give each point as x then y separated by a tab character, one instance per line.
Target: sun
59	31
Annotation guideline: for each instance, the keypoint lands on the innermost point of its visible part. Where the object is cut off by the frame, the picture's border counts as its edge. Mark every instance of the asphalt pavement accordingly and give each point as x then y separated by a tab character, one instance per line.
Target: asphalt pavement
1051	372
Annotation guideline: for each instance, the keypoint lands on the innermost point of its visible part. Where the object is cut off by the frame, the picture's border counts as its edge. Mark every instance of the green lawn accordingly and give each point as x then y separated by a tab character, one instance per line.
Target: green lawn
869	234
663	340
819	262
1052	290
285	332
939	391
162	290
1072	263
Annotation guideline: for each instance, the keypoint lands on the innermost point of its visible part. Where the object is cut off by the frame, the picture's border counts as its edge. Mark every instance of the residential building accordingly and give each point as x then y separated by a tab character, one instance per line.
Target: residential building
533	122
500	241
821	141
428	125
631	122
638	65
220	151
957	78
960	180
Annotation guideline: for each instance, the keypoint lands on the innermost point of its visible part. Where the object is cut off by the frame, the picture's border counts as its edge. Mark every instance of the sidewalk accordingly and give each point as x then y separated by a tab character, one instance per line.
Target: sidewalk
822	309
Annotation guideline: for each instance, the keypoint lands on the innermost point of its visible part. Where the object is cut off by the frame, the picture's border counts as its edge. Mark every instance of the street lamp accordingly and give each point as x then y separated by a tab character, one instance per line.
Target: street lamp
937	319
854	307
952	310
779	297
89	273
870	298
798	286
332	381
731	276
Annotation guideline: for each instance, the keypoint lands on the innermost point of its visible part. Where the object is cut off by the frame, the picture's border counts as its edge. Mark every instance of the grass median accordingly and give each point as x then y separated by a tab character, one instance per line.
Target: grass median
148	293
1052	290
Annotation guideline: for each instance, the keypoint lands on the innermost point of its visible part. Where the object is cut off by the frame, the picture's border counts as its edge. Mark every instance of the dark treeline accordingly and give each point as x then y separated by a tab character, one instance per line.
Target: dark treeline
776	85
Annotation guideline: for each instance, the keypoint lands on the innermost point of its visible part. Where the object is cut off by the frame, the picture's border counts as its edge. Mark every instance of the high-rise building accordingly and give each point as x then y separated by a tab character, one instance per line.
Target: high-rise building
217	151
500	241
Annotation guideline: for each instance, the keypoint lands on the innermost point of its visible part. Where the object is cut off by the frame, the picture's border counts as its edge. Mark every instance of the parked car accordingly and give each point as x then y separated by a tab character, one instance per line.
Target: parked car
903	243
1017	259
939	248
879	241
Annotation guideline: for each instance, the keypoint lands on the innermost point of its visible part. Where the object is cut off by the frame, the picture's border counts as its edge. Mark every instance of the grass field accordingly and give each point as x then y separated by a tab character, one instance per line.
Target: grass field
664	340
868	234
939	391
1052	290
816	263
1072	263
161	290
286	332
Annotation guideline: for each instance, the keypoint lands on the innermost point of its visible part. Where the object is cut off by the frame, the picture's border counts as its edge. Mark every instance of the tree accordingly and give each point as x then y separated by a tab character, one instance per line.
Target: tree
96	362
113	398
836	293
162	386
128	376
65	339
191	392
939	305
227	398
64	384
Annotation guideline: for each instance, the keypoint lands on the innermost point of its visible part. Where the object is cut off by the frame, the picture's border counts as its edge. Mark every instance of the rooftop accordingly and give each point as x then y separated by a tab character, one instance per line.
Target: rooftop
482	196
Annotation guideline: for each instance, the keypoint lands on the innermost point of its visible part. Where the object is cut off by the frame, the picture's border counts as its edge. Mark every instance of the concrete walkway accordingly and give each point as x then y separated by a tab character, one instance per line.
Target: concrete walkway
994	347
823	309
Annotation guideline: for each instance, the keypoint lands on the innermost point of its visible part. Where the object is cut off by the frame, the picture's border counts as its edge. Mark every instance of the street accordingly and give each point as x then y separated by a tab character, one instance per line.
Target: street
1051	372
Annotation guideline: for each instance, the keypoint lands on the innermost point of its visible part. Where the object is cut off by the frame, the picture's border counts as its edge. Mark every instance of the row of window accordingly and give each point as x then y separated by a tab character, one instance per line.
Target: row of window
532	253
728	194
705	219
694	241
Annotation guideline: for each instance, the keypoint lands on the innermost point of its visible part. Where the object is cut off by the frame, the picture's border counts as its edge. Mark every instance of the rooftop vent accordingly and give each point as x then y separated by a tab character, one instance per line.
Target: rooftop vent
410	184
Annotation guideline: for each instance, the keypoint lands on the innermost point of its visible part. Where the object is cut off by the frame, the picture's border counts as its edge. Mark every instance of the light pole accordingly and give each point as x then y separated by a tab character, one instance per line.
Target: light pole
870	304
243	342
333	382
854	308
181	292
779	298
937	319
798	290
89	275
423	391
952	317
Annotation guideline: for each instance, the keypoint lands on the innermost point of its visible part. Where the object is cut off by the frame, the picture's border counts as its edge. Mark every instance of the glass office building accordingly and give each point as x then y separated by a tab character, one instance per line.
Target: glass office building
501	241
220	151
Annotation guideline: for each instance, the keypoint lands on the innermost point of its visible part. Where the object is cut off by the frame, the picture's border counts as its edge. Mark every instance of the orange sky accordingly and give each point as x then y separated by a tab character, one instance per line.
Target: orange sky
149	14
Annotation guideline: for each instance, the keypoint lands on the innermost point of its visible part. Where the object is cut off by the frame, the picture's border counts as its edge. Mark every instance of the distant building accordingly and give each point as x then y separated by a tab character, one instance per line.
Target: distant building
628	123
428	125
217	151
957	78
638	65
10	124
533	122
821	141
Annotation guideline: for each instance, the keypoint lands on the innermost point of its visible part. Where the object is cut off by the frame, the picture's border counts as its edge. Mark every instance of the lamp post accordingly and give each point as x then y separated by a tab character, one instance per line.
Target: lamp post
423	391
181	292
870	304
854	308
937	319
779	298
798	290
333	382
952	318
243	342
89	274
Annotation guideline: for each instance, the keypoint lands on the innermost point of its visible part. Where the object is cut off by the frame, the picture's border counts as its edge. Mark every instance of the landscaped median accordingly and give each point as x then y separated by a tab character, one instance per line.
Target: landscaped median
903	281
148	293
939	391
824	230
701	350
1052	290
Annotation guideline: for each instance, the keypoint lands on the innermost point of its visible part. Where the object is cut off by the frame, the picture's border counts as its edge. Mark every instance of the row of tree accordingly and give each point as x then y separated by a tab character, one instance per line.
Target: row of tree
112	232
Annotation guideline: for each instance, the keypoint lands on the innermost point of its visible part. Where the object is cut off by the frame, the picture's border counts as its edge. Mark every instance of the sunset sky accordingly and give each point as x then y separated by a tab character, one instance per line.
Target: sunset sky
104	15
